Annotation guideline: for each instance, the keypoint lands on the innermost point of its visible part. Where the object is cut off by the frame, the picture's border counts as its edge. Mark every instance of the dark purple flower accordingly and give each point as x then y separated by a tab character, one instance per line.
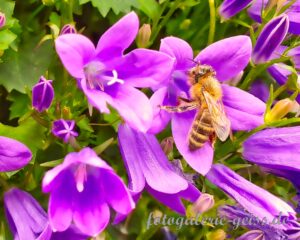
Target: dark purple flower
260	90
228	57
292	12
254	199
64	129
270	38
81	190
14	155
28	221
68	28
107	76
231	7
148	168
2	20
42	94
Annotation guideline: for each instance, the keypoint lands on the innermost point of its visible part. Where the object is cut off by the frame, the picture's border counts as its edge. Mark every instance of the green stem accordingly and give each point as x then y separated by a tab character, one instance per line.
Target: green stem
39	120
212	21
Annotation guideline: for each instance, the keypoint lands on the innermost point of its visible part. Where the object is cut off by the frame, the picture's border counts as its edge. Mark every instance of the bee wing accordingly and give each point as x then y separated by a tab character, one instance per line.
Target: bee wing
220	122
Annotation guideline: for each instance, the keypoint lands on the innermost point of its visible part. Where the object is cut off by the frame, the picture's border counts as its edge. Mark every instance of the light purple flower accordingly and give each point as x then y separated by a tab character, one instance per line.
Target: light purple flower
2	20
148	168
42	94
292	12
254	199
28	221
270	38
106	76
228	57
81	190
229	8
14	155
64	129
68	28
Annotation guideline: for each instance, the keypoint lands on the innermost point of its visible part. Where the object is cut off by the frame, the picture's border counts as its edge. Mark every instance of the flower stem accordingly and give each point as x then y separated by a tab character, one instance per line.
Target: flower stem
212	21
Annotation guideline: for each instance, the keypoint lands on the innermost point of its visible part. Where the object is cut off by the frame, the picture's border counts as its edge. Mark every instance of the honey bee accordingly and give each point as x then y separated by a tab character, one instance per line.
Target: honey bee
206	96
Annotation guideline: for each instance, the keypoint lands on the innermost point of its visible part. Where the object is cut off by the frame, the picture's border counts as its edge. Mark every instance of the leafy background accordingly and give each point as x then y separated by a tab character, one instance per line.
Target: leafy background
27	52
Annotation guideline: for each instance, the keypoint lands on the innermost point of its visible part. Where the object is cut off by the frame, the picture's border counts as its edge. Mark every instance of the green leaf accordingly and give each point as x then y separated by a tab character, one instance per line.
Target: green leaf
84	124
23	68
150	7
28	132
6	38
7	7
19	106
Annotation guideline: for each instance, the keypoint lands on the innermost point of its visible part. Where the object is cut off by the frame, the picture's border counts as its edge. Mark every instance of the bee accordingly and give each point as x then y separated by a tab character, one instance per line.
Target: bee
210	121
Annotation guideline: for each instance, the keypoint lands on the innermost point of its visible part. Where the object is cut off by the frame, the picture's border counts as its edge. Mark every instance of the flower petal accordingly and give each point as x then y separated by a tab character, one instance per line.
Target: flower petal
118	37
228	57
116	193
279	73
294	15
145	68
14	155
178	49
152	162
244	110
255	9
133	105
260	90
200	159
229	8
161	118
75	51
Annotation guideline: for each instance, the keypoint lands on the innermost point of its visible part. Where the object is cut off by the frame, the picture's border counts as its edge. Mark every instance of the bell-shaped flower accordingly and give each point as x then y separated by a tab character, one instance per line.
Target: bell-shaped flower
148	168
64	129
229	8
254	199
107	76
81	190
14	155
42	94
27	220
270	38
68	28
228	58
2	20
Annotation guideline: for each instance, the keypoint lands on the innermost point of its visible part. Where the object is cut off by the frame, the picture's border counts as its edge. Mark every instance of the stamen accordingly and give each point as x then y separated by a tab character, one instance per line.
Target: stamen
80	177
115	79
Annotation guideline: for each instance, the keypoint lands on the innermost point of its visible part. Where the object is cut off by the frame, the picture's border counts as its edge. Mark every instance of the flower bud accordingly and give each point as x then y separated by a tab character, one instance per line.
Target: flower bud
281	109
64	129
270	38
167	145
42	94
2	20
219	234
68	28
231	7
203	203
143	36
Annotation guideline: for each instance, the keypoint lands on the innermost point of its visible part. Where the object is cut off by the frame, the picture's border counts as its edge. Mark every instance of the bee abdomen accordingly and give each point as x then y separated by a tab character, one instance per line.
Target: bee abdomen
201	130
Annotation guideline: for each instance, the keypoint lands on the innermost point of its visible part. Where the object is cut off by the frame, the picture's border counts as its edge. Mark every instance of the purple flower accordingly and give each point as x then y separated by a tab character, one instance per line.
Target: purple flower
148	168
64	129
68	28
270	38
14	155
228	57
254	199
259	230
81	190
231	7
28	220
2	20
107	76
292	12
260	90
42	94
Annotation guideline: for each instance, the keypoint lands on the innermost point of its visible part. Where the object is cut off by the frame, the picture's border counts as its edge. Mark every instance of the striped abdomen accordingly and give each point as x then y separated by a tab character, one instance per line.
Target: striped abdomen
201	129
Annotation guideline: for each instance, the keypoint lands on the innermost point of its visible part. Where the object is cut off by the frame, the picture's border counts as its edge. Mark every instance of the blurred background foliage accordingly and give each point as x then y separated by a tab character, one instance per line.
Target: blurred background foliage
27	52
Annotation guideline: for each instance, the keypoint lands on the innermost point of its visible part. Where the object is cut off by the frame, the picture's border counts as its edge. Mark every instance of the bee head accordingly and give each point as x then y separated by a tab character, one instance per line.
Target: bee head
200	71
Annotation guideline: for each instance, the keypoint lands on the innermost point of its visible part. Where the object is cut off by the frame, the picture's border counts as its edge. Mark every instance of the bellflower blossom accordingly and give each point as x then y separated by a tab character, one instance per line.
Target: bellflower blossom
106	76
2	20
28	220
228	57
14	155
81	190
148	168
64	129
68	28
229	8
254	199
42	94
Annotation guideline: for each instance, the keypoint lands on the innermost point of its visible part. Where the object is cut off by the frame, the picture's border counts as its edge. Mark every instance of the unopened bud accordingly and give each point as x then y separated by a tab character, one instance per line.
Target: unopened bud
203	203
281	109
42	94
219	234
2	20
68	28
167	145
66	112
143	36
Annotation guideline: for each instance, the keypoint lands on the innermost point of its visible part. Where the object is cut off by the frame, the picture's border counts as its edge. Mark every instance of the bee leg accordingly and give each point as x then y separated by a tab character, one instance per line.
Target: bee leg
213	139
185	100
180	108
